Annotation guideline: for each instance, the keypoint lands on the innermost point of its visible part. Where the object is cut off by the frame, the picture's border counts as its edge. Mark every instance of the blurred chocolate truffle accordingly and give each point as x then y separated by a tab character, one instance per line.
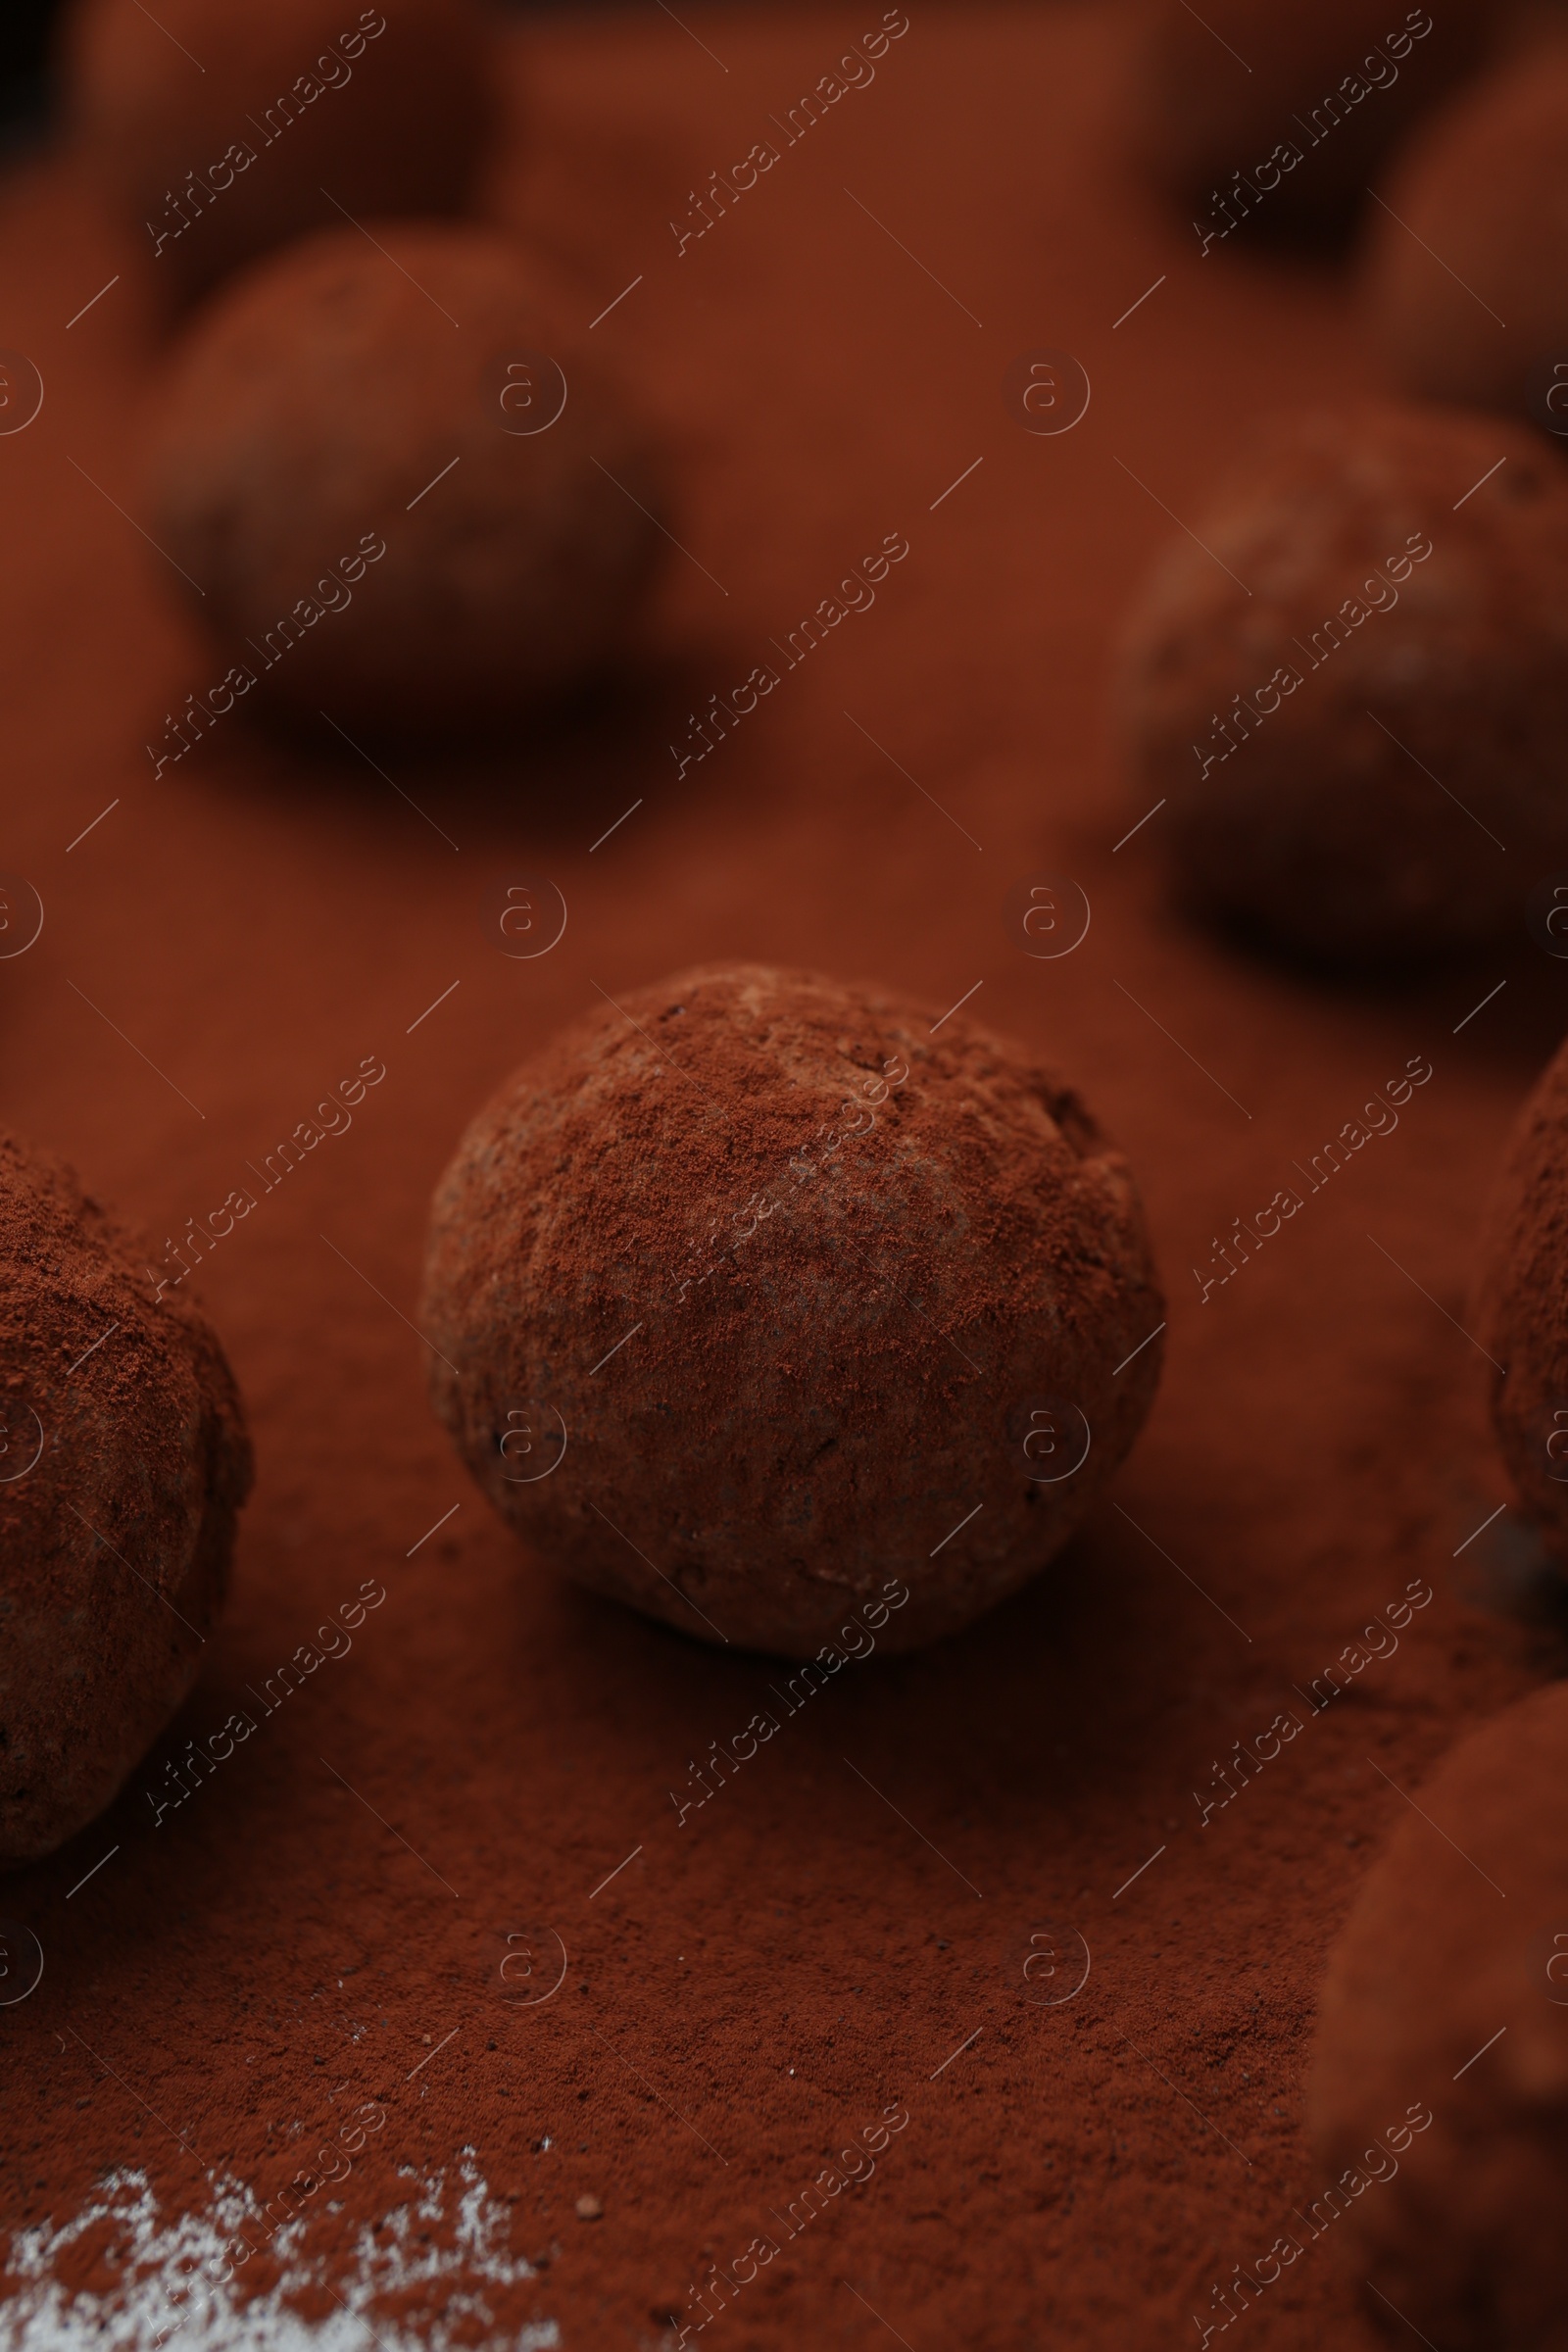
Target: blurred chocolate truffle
1467	289
1349	685
1523	1308
124	1460
1439	2102
1279	115
390	475
218	129
760	1306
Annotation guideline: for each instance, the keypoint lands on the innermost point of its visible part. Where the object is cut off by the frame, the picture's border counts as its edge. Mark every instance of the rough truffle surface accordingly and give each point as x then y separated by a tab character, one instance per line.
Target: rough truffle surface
122	1464
1483	188
853	1259
1353	696
390	111
1523	1308
295	479
1458	2221
1280	113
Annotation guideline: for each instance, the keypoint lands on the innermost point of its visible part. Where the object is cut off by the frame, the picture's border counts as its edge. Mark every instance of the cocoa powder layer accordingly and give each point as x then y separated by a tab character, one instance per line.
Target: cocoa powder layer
124	1463
216	128
873	1280
1480	185
1354	694
793	1957
1522	1305
1440	2096
335	465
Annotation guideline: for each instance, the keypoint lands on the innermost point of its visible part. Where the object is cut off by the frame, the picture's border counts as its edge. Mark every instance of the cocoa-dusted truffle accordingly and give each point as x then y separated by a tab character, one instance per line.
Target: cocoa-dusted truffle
776	1307
124	1460
1521	1313
1353	694
1467	290
1440	2098
218	129
390	472
1276	116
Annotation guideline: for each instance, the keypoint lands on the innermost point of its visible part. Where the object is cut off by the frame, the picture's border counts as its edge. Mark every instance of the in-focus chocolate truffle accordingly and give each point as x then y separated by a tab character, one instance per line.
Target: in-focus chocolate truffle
750	1290
1467	290
1353	695
215	125
1440	2096
124	1460
1521	1314
1277	116
391	474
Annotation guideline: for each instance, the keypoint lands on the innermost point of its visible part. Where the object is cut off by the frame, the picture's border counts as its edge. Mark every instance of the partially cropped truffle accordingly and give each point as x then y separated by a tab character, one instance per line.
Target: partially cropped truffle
124	1460
409	499
1440	2096
1350	686
1522	1313
760	1306
1467	288
1277	116
218	129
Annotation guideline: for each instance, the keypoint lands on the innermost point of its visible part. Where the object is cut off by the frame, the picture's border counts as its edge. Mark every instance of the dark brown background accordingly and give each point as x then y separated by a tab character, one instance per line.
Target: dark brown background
256	921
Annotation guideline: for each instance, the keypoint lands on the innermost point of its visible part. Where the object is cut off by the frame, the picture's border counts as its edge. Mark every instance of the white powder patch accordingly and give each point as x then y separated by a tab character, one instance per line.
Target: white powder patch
169	2285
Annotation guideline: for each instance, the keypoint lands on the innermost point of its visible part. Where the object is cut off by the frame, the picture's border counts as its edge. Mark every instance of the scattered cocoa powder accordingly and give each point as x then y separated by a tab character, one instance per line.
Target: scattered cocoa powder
241	1993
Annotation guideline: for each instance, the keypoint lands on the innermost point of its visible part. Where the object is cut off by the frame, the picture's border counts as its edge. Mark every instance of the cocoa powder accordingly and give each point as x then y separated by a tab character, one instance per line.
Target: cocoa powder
357	1907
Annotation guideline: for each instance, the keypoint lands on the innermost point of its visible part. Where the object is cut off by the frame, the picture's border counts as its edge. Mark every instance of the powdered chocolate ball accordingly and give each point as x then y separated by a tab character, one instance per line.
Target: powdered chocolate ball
219	128
391	474
1468	289
1277	116
1353	695
748	1291
1522	1315
124	1460
1440	2096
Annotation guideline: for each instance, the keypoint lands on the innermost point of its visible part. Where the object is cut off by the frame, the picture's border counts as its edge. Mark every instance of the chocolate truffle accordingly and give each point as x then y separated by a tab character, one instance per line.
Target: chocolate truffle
1277	116
1467	290
390	475
218	129
1350	686
124	1460
1521	1313
762	1306
1439	2102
